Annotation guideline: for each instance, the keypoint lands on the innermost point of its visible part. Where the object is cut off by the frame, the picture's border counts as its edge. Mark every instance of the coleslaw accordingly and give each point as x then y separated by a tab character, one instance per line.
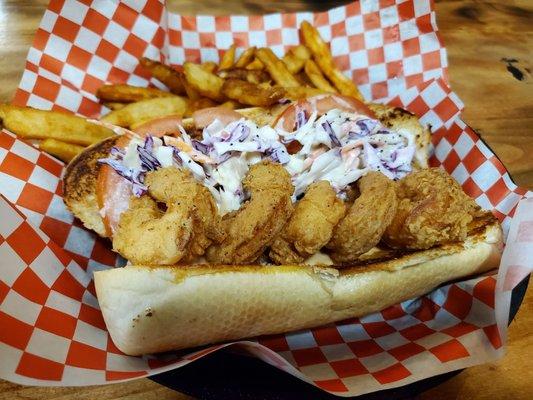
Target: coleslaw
338	146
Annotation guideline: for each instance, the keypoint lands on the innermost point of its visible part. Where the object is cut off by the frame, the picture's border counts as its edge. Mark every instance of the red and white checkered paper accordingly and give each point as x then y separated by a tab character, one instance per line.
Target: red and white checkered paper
51	329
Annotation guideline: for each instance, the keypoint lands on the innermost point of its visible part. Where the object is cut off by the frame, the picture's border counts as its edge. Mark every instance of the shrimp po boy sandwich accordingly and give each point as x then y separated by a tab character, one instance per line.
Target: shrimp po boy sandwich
260	221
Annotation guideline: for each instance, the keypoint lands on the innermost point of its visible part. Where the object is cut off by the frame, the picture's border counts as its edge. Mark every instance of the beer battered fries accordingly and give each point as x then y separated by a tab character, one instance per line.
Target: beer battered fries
205	82
324	59
167	75
250	94
243	77
30	123
128	94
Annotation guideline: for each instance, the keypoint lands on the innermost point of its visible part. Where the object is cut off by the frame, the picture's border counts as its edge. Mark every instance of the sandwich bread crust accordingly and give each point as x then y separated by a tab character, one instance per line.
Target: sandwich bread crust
149	310
79	184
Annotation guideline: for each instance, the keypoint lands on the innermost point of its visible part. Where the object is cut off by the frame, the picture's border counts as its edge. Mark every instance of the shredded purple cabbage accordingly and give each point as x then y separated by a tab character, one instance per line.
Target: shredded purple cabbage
374	162
117	166
301	117
201	147
239	133
236	133
148	161
136	177
210	140
138	190
355	135
329	130
400	157
116	152
177	158
149	143
278	154
366	125
225	157
287	138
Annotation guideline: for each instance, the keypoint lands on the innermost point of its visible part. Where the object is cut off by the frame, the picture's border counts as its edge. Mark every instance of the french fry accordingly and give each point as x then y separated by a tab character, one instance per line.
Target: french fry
250	94
245	58
231	105
301	52
191	92
128	94
315	75
249	75
296	58
324	59
112	105
62	150
29	123
228	58
210	66
198	104
294	64
141	111
167	75
304	79
265	85
276	68
206	83
256	64
302	92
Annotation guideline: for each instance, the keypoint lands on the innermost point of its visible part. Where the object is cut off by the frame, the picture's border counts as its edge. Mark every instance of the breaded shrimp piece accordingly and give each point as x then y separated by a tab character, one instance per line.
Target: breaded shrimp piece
146	235
311	225
432	210
253	227
179	186
366	220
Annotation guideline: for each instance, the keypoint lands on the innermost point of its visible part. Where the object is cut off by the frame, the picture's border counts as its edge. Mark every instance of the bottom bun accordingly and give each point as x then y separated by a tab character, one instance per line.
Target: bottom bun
149	310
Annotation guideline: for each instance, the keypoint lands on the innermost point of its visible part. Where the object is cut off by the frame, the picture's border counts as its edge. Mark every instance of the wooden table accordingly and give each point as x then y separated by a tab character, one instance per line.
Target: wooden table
489	46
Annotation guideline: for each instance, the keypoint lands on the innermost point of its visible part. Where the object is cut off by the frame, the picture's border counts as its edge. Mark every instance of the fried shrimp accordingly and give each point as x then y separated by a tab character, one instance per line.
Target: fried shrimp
252	228
366	220
310	226
180	187
147	235
432	209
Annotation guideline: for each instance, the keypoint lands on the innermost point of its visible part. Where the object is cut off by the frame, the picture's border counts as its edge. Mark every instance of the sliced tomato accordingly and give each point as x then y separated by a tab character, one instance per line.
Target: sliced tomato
113	202
113	192
160	126
206	116
321	104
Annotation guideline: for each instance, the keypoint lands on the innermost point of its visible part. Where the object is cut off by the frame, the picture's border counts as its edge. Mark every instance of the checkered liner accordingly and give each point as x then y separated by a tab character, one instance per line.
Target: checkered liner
52	330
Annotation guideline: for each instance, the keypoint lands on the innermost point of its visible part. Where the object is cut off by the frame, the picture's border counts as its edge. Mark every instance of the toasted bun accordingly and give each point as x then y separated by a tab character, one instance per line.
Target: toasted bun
397	119
150	310
79	182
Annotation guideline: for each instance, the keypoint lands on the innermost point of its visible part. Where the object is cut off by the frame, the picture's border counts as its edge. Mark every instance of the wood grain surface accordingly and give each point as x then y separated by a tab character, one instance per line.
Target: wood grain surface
490	55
